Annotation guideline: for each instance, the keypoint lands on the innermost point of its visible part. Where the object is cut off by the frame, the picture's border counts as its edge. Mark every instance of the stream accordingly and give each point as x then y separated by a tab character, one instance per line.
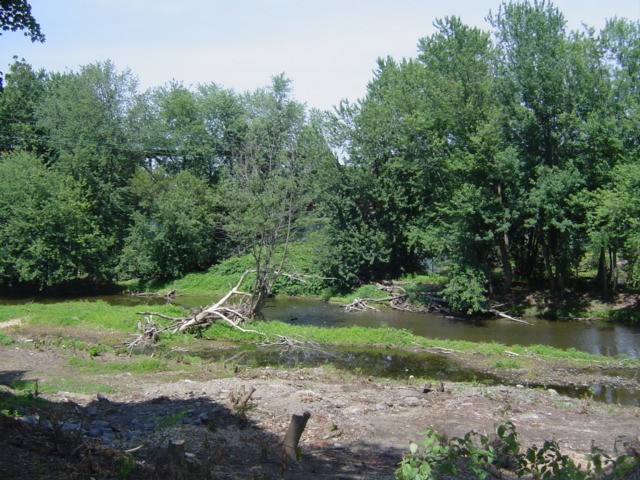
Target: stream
594	337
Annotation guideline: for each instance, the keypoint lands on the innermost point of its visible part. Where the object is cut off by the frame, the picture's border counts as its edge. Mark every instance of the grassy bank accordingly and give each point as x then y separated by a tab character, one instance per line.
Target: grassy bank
64	318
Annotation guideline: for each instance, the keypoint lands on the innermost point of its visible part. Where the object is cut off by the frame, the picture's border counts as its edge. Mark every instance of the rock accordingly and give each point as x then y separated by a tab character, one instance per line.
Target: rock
100	424
31	419
70	426
102	398
411	401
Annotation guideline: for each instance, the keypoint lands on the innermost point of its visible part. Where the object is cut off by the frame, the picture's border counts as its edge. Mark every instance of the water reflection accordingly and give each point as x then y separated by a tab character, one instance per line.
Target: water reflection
596	338
602	339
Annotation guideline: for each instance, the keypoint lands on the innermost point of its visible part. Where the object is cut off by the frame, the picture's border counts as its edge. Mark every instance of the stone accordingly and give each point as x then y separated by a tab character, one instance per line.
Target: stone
69	426
411	401
102	398
100	424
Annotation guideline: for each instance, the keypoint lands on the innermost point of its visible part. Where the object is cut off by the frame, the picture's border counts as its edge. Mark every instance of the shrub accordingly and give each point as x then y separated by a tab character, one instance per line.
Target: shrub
436	456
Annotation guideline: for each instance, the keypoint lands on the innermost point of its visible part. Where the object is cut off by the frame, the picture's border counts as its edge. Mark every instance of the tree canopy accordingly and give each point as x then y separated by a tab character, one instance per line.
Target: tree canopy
499	157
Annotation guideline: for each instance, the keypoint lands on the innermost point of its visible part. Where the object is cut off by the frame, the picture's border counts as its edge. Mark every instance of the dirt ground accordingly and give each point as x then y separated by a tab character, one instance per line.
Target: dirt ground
358	429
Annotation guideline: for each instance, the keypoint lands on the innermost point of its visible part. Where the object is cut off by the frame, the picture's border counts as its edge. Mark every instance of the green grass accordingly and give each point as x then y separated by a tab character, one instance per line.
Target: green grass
123	319
365	291
90	314
20	403
136	366
5	339
75	385
507	364
219	279
391	337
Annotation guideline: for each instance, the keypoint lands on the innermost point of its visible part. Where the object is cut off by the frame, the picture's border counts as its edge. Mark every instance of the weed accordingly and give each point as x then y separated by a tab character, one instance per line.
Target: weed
172	421
5	339
507	363
483	455
136	365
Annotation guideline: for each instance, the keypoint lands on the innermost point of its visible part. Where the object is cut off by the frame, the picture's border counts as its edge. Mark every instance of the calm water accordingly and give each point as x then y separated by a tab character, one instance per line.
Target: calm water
598	338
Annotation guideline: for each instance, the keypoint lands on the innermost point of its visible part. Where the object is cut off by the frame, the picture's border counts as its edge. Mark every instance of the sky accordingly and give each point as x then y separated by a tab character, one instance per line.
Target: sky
328	48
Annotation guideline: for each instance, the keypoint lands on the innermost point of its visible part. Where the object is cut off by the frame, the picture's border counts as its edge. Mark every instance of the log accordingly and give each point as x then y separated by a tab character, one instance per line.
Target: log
292	437
508	317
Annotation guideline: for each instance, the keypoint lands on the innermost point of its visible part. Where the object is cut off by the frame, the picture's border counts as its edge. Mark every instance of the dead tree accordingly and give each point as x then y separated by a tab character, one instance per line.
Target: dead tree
399	299
234	309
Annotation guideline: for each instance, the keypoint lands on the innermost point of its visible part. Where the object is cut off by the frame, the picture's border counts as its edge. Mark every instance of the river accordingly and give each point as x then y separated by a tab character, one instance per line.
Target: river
601	338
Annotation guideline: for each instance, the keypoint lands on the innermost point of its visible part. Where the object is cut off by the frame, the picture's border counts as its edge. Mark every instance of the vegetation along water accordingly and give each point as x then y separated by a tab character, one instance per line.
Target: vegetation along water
493	179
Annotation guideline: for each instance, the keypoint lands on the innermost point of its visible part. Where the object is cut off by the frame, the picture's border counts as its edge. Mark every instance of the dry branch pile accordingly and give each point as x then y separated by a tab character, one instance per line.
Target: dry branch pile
235	309
399	299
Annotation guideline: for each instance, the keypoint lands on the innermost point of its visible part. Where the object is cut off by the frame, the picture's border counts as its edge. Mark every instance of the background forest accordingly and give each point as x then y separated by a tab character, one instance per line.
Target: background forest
493	157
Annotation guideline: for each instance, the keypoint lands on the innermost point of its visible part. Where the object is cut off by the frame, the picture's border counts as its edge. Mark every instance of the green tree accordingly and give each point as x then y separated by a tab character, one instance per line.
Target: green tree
48	234
377	195
264	187
197	130
174	229
85	118
23	93
541	75
16	15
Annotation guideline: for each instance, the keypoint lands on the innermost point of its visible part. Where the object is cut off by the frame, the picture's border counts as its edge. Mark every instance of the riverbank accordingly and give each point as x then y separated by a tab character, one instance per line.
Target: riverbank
70	368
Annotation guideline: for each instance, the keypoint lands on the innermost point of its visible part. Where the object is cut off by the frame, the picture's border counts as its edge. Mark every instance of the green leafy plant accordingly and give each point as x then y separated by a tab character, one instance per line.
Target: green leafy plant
436	456
5	339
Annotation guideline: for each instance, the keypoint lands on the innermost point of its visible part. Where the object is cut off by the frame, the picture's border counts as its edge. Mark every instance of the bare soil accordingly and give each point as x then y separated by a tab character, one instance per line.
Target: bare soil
358	429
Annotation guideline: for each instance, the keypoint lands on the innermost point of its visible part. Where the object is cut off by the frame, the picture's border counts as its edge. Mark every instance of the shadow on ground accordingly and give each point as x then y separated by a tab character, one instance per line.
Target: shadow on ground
105	439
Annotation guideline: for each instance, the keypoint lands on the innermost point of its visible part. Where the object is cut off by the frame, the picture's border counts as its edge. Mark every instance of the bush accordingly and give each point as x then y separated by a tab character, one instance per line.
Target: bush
436	456
466	290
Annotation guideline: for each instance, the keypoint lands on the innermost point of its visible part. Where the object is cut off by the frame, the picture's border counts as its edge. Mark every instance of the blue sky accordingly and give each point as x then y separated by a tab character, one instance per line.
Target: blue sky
328	48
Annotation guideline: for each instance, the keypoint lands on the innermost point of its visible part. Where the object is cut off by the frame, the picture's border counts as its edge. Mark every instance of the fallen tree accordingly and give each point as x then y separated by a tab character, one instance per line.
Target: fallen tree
416	301
400	299
236	309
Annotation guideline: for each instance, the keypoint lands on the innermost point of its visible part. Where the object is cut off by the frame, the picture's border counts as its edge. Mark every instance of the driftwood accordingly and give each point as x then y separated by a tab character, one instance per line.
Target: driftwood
292	437
508	317
398	299
234	309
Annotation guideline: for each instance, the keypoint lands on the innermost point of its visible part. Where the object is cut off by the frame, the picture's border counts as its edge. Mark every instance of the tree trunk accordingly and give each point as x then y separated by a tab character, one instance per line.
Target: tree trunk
548	267
292	437
614	268
507	271
602	278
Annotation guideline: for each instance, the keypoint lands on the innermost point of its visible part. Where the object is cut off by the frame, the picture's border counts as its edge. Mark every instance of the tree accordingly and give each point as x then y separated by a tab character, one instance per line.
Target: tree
48	234
16	15
184	130
539	76
85	119
19	101
264	186
174	229
378	194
